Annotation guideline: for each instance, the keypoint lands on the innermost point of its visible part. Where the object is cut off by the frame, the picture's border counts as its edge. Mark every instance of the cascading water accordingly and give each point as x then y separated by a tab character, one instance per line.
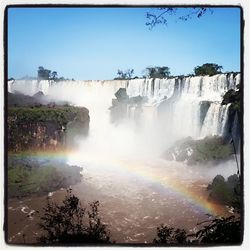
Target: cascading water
187	94
215	120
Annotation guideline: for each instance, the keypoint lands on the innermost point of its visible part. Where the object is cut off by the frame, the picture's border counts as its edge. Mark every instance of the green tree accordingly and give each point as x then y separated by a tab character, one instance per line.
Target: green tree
208	69
124	75
157	72
43	74
70	223
54	76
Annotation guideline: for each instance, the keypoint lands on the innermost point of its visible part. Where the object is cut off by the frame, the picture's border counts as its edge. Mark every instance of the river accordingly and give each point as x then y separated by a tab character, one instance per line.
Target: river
135	197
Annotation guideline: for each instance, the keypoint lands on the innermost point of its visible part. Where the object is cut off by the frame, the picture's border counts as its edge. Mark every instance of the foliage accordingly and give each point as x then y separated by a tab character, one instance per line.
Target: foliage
161	15
233	96
158	72
43	74
170	236
212	148
25	177
46	74
208	69
124	75
227	192
221	231
70	223
53	76
19	99
200	151
216	231
58	114
45	127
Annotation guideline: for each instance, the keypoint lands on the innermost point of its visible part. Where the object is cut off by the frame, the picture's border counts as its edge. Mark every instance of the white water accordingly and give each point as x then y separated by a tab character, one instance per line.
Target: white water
188	92
154	132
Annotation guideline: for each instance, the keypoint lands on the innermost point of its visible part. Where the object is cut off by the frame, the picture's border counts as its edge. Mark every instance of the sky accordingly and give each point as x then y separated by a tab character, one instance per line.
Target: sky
93	43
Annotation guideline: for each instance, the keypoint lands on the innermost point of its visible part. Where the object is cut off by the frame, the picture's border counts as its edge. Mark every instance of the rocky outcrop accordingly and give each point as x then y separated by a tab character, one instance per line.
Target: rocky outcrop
233	125
46	127
125	107
199	151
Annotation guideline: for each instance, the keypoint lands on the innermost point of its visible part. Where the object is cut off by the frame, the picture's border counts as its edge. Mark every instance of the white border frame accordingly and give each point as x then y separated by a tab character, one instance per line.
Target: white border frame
246	14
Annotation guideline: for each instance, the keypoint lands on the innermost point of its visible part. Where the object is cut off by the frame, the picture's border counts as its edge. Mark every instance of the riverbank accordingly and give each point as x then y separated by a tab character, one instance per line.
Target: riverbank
39	174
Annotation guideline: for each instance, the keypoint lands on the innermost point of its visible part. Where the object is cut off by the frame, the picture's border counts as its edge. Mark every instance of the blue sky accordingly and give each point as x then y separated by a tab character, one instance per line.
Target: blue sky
93	43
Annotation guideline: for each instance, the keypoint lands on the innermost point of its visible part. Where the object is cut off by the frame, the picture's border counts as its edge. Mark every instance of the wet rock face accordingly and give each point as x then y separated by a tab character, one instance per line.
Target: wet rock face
123	106
199	151
45	128
203	110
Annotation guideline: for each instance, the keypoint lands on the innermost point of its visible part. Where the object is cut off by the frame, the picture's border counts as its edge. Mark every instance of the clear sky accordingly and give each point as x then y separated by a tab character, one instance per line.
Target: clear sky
93	43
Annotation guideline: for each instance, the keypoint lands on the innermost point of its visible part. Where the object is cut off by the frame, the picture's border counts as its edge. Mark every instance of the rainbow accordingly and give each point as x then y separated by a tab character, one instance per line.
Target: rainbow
198	201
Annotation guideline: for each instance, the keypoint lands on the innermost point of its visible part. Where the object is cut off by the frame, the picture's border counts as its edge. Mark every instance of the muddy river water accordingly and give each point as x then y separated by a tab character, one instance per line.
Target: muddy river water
135	197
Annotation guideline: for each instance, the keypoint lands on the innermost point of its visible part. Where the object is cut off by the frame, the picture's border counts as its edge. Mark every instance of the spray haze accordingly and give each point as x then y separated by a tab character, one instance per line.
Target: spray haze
173	111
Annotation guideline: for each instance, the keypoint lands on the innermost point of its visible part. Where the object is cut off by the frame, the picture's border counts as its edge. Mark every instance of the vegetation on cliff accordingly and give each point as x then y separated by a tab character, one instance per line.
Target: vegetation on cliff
27	176
234	126
199	151
45	127
58	114
233	96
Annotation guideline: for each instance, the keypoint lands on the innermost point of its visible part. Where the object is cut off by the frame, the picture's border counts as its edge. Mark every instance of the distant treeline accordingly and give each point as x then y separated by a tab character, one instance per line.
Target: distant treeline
44	74
150	72
164	72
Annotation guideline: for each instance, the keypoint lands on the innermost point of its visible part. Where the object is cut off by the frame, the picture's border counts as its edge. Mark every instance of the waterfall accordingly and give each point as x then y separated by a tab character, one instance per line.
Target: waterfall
187	95
215	120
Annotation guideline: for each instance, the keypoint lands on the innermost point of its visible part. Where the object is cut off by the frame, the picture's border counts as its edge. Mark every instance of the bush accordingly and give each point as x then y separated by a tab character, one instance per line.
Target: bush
171	236
70	223
226	192
223	231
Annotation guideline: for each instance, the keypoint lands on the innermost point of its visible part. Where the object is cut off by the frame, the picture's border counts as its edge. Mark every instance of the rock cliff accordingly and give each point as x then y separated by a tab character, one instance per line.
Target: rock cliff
47	127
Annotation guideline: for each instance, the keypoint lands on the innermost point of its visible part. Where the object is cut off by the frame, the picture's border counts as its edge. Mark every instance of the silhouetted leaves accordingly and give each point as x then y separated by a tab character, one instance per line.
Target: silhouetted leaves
221	231
170	236
46	74
161	15
217	231
70	223
124	75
